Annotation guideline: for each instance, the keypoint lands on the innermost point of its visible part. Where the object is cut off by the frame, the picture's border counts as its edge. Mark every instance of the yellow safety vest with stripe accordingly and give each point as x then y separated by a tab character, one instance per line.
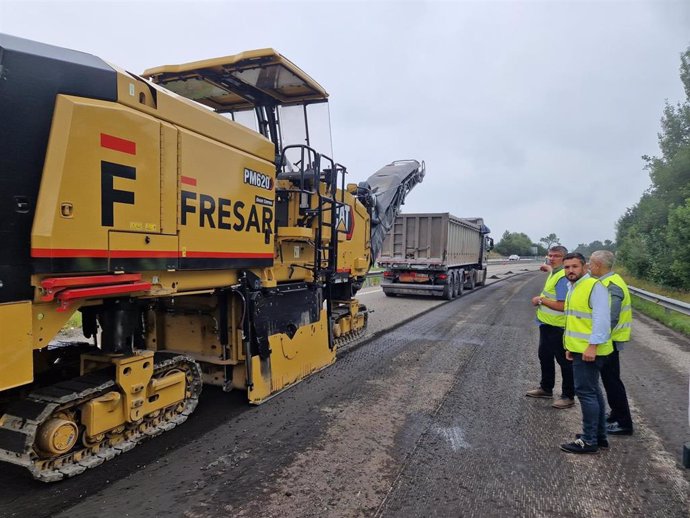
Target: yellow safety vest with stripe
578	319
547	315
622	331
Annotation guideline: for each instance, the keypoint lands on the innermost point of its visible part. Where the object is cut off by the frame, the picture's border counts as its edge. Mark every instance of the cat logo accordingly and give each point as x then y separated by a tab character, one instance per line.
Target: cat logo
346	220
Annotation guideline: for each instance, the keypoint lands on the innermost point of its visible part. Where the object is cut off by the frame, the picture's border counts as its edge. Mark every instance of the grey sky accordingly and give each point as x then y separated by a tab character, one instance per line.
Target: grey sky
533	115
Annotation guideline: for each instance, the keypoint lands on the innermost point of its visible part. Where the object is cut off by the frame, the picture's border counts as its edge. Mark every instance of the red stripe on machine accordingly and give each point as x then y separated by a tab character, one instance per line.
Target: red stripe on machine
188	181
118	144
226	255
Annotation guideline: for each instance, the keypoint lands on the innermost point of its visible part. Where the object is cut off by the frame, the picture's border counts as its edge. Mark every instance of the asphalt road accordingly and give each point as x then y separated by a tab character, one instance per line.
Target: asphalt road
428	419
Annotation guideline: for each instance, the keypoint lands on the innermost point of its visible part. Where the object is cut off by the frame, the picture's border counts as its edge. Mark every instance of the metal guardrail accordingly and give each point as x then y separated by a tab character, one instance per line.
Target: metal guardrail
672	304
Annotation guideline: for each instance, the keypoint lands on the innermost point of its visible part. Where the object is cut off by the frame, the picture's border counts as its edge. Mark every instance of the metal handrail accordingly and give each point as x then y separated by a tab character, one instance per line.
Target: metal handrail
672	304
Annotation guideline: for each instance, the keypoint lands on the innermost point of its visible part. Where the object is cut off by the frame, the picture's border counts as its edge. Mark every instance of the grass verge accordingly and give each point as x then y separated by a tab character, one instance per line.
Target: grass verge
674	320
74	321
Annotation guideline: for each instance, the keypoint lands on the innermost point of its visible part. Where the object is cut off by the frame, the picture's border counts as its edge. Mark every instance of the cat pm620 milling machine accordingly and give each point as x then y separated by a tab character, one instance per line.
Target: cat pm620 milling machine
194	218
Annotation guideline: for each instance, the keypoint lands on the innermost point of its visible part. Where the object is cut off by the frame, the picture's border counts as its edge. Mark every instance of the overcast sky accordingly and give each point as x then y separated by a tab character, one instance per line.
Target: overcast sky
533	115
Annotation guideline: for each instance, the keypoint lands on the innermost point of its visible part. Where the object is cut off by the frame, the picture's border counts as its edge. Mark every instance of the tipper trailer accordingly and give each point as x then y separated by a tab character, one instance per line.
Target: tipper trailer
434	254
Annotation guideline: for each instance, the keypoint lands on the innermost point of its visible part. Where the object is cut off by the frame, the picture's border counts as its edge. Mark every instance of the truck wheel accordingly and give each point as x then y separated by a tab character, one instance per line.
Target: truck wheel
449	288
472	282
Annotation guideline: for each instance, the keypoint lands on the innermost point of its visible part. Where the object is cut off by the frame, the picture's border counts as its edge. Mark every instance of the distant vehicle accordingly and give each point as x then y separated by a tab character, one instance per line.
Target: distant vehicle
434	254
514	257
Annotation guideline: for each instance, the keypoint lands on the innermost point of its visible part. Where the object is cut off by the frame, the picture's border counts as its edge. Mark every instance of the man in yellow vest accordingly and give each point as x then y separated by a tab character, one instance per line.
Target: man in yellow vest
551	320
587	340
600	266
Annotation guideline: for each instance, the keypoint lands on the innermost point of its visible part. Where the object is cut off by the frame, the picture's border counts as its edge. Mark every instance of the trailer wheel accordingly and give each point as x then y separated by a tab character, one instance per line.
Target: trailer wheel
449	288
461	284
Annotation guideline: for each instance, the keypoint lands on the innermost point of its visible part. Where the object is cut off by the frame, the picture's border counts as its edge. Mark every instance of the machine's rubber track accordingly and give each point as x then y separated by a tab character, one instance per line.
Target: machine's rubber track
20	423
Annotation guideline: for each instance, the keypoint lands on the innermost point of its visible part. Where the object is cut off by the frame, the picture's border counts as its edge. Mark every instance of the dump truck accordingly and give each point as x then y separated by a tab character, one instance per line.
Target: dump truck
187	216
434	254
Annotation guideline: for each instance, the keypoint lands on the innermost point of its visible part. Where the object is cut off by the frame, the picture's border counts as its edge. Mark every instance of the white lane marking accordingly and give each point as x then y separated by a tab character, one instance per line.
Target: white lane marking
454	436
367	292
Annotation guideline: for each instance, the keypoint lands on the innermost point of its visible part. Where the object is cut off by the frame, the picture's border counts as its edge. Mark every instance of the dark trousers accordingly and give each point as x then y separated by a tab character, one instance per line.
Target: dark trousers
590	396
550	348
615	391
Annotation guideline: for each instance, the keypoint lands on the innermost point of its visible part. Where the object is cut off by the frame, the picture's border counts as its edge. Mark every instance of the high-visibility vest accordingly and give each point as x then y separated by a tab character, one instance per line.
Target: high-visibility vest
547	315
578	319
622	331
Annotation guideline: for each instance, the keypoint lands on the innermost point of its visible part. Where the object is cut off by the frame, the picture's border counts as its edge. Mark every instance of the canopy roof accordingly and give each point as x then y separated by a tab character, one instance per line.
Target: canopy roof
256	77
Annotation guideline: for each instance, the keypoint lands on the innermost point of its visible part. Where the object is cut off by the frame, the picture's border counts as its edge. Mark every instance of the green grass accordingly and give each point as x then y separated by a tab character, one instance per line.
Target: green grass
74	321
674	320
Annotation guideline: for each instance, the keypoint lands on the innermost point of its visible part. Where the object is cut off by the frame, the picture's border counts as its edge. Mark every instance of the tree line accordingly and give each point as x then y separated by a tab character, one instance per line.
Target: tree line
653	236
520	243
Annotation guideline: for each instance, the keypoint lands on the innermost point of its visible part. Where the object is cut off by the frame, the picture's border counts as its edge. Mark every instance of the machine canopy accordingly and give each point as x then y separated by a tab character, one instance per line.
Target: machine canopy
253	78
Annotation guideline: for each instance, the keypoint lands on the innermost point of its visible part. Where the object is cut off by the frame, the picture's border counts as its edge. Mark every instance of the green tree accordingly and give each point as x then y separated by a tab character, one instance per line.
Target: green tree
550	240
514	243
652	235
678	235
586	249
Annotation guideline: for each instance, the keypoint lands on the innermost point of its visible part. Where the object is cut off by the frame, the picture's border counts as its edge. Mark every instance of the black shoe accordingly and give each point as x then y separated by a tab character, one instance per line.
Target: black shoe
579	446
602	442
616	429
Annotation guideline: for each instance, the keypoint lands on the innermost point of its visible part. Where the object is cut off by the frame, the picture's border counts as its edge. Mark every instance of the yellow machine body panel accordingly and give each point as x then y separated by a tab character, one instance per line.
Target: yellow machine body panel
354	251
16	348
102	173
292	359
226	202
120	171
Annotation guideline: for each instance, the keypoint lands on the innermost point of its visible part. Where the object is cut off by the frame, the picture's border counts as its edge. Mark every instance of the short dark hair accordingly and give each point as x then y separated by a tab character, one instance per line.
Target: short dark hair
560	249
575	255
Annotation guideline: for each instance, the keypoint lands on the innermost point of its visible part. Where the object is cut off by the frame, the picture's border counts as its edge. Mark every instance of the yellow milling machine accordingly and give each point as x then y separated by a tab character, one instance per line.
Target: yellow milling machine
194	218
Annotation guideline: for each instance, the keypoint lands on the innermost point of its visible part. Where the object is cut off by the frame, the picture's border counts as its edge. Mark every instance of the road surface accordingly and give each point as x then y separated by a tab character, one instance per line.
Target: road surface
428	419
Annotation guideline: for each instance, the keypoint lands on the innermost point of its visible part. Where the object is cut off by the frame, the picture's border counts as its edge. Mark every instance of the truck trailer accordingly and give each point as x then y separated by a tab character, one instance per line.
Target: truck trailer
434	254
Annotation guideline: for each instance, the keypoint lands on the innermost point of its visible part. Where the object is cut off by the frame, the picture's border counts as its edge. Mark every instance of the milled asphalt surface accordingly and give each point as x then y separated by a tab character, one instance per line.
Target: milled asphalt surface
429	419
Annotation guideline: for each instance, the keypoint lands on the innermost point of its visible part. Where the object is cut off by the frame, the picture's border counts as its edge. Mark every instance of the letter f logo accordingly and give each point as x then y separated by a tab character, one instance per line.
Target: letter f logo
109	195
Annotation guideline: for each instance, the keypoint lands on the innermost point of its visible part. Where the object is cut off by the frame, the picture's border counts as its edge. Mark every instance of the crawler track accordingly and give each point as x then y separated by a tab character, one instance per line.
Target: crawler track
20	424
